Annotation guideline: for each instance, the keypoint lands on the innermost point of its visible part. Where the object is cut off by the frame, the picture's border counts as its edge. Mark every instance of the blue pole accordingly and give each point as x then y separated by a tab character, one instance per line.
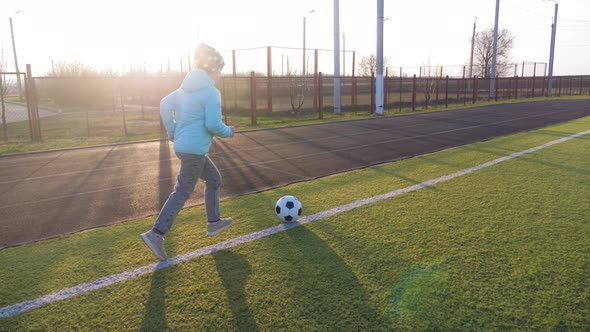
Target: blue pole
552	51
493	78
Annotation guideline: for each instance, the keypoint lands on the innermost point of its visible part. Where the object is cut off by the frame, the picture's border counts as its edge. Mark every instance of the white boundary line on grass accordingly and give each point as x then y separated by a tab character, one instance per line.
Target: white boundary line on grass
124	276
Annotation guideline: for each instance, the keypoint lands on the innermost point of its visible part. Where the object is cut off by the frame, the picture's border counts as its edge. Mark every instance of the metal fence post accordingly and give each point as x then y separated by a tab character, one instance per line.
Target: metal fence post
269	82
353	97
447	92
437	87
30	107
235	79
122	98
163	133
252	98
474	89
414	93
354	92
315	79
464	88
372	92
28	99
534	78
320	95
401	84
458	93
496	94
4	124
34	115
87	123
223	100
440	80
459	89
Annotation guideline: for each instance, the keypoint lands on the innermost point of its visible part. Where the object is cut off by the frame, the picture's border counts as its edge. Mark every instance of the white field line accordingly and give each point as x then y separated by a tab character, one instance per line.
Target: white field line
124	276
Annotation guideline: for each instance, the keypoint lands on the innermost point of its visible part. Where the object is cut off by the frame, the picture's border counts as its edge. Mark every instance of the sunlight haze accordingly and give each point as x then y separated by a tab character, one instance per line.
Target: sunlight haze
147	34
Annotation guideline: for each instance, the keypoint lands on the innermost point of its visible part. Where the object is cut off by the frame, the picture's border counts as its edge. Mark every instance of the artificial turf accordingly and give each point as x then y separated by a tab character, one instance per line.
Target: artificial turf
505	247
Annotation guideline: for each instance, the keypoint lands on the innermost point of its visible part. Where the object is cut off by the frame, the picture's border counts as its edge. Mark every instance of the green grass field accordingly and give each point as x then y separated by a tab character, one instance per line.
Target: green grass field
503	248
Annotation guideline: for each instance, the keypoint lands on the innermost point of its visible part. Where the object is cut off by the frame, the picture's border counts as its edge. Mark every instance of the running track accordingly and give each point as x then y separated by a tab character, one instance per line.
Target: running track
48	194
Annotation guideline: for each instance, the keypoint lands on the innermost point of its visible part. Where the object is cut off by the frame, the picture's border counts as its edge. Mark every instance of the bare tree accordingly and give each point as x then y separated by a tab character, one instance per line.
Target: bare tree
484	47
368	65
297	89
76	85
428	82
68	69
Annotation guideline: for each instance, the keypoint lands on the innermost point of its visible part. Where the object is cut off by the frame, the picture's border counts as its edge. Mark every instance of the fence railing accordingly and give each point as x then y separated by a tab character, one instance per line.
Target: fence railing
127	108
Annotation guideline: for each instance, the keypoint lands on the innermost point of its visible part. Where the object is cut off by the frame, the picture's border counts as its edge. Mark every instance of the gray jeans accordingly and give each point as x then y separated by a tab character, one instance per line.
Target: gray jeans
192	168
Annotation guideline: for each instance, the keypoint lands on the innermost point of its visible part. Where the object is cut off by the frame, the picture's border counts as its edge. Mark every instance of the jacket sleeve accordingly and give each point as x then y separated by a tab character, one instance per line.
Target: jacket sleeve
167	108
213	120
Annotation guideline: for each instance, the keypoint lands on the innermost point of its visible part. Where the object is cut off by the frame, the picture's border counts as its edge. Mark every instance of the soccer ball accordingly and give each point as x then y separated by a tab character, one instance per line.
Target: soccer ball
288	208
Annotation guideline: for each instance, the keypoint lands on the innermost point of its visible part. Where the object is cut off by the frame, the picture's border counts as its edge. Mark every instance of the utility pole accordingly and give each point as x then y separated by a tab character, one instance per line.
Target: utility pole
379	74
337	56
493	78
472	46
20	90
552	51
303	70
188	60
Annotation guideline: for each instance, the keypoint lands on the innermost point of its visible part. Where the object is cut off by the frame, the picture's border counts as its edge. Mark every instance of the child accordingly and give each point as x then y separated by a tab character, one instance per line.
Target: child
197	118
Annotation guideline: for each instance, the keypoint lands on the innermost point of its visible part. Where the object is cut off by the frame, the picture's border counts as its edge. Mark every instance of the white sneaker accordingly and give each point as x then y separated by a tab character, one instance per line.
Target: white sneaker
214	228
156	244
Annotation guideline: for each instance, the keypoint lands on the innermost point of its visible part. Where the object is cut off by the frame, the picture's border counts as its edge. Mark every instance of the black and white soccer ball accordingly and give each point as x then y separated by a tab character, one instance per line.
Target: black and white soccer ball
288	208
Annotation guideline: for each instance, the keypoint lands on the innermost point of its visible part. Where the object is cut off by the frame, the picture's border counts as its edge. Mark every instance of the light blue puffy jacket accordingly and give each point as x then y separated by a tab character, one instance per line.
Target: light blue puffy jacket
192	114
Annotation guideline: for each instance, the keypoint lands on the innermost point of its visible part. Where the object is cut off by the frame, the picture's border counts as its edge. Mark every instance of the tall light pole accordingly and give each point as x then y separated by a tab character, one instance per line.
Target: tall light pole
552	51
495	48
304	36
337	56
472	46
20	93
379	74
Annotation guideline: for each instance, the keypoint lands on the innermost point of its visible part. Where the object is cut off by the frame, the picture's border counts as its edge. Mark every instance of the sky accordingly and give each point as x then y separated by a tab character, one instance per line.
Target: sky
123	34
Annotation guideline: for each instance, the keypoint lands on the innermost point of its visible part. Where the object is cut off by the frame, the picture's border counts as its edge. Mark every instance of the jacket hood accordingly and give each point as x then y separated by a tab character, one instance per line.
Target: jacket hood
196	80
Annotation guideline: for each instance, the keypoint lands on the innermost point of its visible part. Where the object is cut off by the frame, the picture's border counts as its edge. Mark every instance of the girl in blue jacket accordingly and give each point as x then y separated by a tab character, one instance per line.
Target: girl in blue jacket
192	116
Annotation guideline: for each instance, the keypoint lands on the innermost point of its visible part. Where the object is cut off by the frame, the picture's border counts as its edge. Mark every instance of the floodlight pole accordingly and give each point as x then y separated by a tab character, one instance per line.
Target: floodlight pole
379	74
552	52
20	92
472	47
303	65
303	70
493	78
336	56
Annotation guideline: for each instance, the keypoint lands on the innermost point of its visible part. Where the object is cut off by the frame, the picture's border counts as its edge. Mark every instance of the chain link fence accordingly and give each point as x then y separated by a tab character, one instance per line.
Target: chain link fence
115	109
14	108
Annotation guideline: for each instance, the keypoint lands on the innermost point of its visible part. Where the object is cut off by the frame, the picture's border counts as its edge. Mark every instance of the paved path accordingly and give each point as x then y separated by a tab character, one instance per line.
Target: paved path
48	194
16	112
